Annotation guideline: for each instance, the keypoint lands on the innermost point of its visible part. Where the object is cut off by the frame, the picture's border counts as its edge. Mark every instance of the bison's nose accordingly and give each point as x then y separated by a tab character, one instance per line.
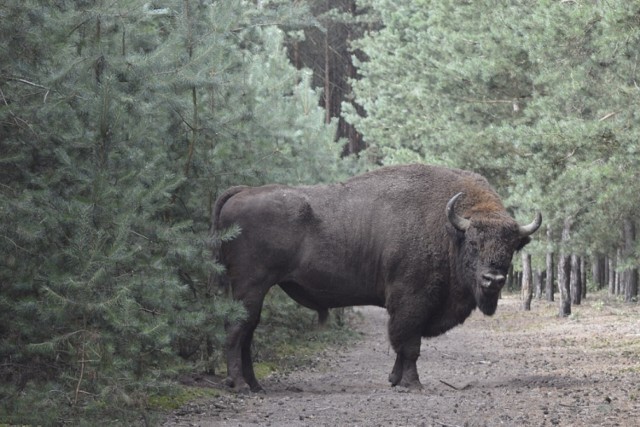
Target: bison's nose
493	281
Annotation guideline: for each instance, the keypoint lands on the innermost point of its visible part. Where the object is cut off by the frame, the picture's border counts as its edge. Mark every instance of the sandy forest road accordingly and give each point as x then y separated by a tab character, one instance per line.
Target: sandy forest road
517	368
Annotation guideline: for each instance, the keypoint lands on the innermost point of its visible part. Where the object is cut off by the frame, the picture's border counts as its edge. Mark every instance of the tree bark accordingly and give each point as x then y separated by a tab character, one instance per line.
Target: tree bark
537	283
550	269
327	79
619	274
612	275
583	276
598	271
564	273
630	274
328	53
511	279
527	283
575	280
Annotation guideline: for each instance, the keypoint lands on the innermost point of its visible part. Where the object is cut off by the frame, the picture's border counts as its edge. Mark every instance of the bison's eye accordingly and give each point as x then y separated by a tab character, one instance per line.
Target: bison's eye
500	267
472	241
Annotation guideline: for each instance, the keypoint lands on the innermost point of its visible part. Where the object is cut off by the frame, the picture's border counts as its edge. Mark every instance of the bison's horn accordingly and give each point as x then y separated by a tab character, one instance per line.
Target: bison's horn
529	229
456	220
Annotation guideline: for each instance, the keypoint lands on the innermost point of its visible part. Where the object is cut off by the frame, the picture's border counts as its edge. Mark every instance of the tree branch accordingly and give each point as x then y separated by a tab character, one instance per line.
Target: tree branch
27	82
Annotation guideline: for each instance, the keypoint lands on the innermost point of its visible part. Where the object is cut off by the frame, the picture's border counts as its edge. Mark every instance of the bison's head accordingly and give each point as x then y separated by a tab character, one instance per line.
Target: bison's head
486	243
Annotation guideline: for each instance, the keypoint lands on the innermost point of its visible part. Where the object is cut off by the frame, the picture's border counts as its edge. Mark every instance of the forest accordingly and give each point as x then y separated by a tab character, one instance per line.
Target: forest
121	121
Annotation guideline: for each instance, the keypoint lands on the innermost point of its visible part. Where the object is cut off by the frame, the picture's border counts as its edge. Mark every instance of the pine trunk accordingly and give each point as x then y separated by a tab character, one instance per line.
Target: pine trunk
619	274
564	273
327	79
575	280
550	269
537	283
527	283
583	276
598	271
511	279
612	275
630	274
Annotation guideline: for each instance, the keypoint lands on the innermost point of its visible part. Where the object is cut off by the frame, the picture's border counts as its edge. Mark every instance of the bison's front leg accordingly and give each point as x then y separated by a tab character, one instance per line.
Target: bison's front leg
396	373
405	340
405	369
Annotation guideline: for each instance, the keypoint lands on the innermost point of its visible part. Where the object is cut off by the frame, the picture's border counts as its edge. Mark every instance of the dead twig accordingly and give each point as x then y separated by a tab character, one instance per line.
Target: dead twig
484	101
27	82
213	383
568	156
606	116
440	423
82	363
454	387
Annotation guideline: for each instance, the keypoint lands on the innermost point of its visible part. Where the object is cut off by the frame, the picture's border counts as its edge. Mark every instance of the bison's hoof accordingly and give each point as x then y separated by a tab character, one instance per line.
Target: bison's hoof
394	379
410	385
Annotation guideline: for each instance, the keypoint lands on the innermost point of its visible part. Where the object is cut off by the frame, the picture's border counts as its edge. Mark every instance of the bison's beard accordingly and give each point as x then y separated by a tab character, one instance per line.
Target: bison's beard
487	302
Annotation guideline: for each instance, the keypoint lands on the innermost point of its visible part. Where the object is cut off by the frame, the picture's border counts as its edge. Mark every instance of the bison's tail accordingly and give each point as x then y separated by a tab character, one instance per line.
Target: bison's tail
218	276
217	207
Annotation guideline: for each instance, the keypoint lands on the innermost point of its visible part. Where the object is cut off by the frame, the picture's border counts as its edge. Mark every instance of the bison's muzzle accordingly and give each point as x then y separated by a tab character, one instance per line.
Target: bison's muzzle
492	282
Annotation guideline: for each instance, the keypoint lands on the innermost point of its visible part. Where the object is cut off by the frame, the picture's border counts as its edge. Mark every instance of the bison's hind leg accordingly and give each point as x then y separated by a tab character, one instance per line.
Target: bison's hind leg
323	316
247	365
240	374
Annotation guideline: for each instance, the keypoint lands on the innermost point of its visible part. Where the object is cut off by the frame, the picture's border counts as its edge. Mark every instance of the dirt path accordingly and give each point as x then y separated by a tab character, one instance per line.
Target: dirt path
517	368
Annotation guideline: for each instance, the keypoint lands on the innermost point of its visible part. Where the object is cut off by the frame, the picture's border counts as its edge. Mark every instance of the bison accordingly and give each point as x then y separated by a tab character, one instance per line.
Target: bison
428	243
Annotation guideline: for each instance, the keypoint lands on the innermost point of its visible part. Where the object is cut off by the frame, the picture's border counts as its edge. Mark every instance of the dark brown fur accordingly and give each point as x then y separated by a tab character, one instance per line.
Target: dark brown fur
382	238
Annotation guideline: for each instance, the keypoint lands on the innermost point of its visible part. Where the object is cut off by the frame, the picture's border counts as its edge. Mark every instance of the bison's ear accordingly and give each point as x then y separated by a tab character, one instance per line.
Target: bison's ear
523	242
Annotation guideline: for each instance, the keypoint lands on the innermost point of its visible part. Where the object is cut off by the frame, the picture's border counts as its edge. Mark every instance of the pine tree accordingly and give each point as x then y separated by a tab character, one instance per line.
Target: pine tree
85	297
119	123
581	152
440	76
241	114
539	97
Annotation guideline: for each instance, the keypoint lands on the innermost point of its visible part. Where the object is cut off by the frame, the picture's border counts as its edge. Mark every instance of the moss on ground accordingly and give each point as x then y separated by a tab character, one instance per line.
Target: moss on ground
182	396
